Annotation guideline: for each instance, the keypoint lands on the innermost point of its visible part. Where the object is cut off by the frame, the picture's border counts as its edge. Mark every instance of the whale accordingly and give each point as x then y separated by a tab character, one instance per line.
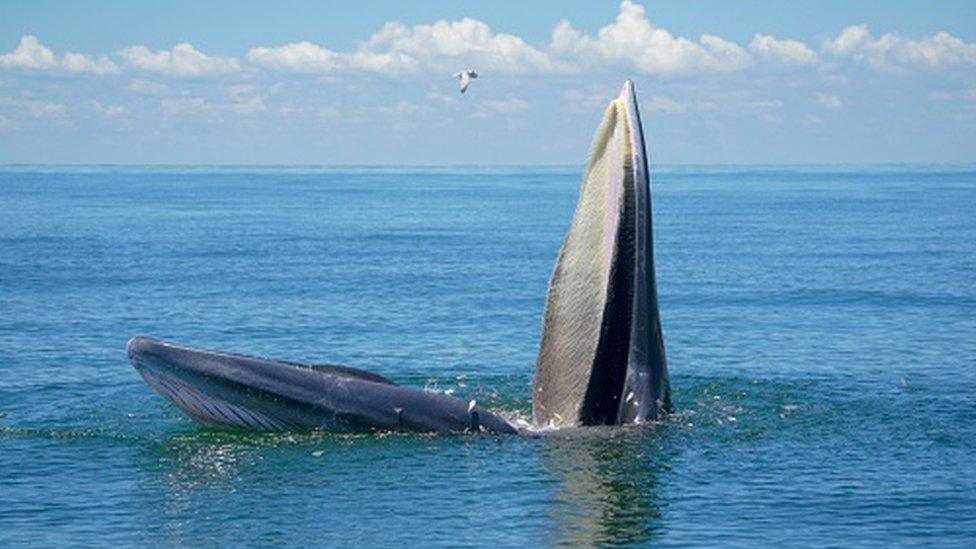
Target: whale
601	356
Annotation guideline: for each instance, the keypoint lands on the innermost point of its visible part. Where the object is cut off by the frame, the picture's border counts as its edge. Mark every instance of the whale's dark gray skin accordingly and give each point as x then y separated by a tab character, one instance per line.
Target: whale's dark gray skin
601	359
244	392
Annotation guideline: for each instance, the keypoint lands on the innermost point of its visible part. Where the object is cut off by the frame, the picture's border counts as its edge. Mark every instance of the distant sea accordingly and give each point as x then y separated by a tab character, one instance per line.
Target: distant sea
820	324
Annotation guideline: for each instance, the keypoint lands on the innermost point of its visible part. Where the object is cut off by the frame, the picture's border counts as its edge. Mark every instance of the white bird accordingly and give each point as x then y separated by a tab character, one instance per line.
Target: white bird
466	76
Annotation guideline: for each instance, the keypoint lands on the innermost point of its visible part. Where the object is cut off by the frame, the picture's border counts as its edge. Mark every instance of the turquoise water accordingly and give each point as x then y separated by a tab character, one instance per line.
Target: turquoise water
820	326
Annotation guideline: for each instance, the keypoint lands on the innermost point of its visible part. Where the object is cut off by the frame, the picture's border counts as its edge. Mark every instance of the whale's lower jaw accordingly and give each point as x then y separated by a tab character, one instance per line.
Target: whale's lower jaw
243	392
601	358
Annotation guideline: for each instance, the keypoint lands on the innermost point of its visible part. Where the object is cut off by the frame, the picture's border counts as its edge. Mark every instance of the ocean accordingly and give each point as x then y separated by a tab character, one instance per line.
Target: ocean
820	324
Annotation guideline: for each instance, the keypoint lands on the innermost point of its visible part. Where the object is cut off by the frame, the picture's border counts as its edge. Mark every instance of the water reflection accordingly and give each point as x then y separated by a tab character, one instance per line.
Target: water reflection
607	485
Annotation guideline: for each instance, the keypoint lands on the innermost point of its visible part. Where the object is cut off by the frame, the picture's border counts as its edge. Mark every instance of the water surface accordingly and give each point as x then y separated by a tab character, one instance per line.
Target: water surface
820	324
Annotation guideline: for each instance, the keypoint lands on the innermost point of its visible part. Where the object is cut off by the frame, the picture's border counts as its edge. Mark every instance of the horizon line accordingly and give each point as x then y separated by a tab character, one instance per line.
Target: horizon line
462	165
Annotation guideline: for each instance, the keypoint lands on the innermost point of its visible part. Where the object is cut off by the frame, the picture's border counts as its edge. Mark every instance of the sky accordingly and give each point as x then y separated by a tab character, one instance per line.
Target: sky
340	83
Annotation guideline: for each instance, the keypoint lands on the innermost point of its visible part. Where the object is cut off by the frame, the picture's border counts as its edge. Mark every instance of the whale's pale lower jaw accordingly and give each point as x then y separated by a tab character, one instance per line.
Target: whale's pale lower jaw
243	392
601	358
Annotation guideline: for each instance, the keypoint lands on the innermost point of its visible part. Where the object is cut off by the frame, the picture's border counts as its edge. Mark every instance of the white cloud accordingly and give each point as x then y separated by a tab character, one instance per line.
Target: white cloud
32	54
77	62
389	61
457	44
33	108
298	57
182	60
42	109
965	95
511	105
828	101
29	54
783	52
733	103
661	103
405	109
892	51
396	48
148	87
110	111
245	99
186	105
577	100
631	40
310	58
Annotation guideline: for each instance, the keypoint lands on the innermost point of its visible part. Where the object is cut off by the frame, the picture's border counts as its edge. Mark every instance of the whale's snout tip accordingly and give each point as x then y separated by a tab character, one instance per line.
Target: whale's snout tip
628	91
139	346
132	346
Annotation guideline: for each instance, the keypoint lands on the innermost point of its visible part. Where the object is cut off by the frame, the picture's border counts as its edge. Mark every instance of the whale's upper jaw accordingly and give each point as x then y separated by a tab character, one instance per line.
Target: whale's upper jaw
601	358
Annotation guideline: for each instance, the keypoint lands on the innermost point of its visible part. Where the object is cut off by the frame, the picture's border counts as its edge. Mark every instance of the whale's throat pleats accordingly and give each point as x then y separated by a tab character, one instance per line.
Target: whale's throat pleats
598	302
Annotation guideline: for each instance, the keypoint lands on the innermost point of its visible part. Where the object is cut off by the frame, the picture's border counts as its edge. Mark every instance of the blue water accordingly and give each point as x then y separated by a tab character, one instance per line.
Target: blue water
820	326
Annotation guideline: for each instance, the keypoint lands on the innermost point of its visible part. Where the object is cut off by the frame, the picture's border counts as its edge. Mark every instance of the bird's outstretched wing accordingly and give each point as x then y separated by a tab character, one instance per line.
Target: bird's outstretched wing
465	81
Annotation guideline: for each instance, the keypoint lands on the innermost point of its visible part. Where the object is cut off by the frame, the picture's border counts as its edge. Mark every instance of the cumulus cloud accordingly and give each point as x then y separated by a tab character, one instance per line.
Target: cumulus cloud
111	111
965	95
245	99
662	103
511	105
148	87
466	41
186	105
783	52
182	60
631	40
828	101
29	54
310	58
397	48
32	54
33	108
43	109
298	57
384	61
77	62
892	51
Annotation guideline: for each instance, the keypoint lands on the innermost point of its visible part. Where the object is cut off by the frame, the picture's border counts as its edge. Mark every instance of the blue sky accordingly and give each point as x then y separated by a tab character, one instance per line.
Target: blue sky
370	83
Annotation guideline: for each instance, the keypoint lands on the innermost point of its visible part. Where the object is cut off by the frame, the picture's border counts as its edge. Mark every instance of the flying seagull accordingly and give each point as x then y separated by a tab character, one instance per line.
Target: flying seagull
466	76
